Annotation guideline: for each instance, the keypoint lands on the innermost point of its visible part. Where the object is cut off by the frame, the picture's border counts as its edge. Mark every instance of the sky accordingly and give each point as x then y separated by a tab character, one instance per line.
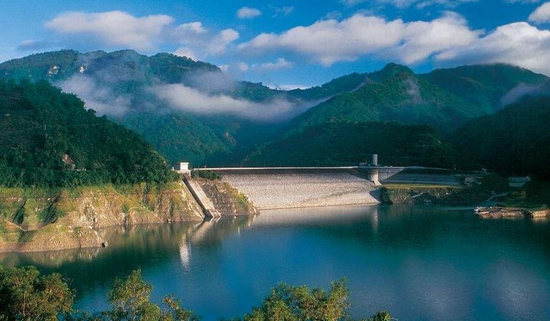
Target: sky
289	43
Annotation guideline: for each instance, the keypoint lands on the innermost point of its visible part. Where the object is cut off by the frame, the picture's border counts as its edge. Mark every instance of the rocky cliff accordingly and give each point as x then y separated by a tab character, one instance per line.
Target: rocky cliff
42	220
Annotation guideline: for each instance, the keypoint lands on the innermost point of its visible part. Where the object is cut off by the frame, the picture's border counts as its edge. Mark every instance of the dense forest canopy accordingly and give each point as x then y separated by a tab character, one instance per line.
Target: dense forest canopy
515	140
48	138
350	117
345	144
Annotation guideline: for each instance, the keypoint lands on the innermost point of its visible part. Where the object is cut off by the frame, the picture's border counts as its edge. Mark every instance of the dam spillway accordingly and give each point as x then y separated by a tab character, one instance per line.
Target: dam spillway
297	187
301	187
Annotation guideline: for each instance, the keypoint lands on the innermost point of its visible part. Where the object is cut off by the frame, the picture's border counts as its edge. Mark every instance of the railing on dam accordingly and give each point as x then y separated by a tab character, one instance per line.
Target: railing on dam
384	174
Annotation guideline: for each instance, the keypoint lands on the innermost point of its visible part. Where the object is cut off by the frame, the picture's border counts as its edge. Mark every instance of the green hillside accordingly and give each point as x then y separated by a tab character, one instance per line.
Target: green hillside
122	83
484	85
514	141
342	144
393	94
48	139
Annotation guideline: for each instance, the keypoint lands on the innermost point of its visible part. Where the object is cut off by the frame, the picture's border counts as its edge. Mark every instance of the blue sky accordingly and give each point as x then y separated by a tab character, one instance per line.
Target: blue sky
292	42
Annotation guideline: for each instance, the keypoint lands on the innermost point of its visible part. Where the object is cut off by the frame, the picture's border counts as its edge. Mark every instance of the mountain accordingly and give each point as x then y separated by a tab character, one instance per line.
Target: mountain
394	93
513	141
124	85
191	110
341	144
48	139
486	86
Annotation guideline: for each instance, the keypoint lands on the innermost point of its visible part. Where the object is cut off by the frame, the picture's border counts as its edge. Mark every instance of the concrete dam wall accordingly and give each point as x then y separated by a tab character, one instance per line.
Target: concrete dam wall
269	190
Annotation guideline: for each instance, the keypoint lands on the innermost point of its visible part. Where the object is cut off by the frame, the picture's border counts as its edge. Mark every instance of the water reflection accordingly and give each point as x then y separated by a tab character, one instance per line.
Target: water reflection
421	263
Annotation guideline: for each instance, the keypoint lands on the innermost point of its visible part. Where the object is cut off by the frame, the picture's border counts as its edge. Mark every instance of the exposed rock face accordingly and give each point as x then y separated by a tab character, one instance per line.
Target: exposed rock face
225	198
506	212
39	220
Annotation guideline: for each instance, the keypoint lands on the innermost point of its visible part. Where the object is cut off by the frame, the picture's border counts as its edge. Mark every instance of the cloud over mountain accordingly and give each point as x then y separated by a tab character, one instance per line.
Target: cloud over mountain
331	41
517	43
122	30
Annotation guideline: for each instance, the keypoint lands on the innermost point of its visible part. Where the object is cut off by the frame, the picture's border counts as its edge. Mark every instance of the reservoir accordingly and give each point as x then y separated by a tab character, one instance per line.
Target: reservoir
417	262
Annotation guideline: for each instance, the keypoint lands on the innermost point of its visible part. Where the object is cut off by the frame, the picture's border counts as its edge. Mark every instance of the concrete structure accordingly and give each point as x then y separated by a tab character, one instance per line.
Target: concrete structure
278	190
182	168
294	187
200	197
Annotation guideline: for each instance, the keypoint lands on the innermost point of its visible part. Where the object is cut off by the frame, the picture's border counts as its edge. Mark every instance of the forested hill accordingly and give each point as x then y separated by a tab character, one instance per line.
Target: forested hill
489	87
122	85
515	140
180	105
444	99
48	139
341	144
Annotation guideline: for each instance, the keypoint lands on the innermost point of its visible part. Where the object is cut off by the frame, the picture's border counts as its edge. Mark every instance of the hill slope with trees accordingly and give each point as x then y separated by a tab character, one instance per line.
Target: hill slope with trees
48	138
513	141
342	144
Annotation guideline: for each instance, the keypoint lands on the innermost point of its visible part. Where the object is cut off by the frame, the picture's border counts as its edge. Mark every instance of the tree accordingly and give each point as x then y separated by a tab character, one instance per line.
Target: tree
130	299
25	295
299	303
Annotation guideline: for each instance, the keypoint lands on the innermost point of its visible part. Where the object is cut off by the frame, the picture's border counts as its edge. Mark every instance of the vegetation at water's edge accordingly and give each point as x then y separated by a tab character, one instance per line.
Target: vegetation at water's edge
48	139
26	295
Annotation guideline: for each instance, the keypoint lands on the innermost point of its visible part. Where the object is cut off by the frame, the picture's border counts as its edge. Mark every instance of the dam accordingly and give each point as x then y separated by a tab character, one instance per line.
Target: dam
299	187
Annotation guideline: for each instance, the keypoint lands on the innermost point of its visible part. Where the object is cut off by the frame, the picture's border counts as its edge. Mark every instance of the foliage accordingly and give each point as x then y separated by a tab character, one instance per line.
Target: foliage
206	174
299	303
25	295
177	136
48	139
393	94
484	85
513	141
334	87
350	144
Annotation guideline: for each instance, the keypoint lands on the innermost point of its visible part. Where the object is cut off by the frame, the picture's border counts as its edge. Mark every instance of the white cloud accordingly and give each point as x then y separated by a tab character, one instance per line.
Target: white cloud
330	41
280	63
97	97
186	52
181	97
282	11
541	14
518	43
218	44
416	3
248	13
522	1
243	67
120	29
193	27
114	28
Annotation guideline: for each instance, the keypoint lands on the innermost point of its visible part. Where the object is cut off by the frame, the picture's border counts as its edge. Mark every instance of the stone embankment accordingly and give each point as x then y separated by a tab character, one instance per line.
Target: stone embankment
508	212
295	190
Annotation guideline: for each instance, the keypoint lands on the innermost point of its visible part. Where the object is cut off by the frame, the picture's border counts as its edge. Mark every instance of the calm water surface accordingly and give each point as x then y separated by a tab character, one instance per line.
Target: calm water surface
419	263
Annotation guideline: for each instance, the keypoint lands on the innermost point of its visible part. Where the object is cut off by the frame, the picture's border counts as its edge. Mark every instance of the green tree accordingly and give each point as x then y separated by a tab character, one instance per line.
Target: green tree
130	299
25	295
299	303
